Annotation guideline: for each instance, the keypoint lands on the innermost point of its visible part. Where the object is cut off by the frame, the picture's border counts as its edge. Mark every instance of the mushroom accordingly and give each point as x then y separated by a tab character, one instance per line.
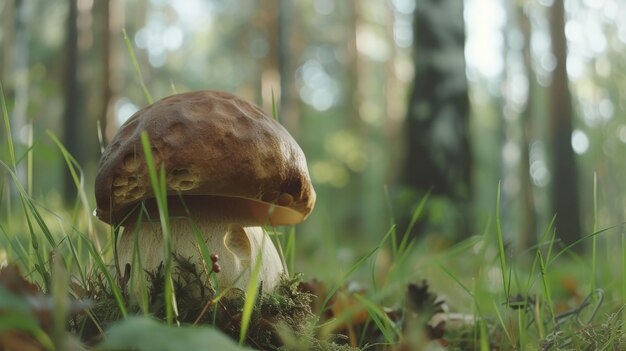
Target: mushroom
230	170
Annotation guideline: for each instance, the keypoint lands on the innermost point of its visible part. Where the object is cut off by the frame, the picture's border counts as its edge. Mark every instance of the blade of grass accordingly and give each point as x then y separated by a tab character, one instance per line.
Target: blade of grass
29	201
160	192
7	126
274	110
380	318
29	157
594	239
476	326
100	134
501	251
552	240
397	271
392	223
204	249
4	190
133	58
451	275
97	257
275	237
546	288
414	217
290	249
352	269
502	323
461	247
70	161
79	264
159	188
356	265
567	248
18	248
623	237
522	317
28	209
78	177
137	273
12	169
252	291
484	336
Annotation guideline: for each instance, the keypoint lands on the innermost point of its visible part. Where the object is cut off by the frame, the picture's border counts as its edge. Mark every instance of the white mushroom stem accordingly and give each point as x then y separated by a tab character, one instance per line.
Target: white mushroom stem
226	231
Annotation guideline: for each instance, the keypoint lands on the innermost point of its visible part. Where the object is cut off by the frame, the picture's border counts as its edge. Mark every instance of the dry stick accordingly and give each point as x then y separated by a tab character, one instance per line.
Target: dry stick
205	309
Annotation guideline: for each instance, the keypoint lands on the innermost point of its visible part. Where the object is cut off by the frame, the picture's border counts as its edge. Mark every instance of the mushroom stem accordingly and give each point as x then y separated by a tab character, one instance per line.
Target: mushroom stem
232	237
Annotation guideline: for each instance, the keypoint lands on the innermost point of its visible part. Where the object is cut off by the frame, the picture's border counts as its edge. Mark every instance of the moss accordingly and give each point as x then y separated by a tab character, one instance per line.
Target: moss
277	320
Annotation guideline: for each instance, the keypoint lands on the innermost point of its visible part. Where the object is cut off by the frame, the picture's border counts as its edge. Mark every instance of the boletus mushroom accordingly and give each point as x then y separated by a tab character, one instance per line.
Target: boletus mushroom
230	170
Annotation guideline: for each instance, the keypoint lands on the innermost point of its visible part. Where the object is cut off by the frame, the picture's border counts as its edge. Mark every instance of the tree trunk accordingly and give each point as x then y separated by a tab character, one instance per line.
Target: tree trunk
438	156
565	200
355	64
72	95
112	20
288	96
6	69
528	234
107	90
20	121
8	38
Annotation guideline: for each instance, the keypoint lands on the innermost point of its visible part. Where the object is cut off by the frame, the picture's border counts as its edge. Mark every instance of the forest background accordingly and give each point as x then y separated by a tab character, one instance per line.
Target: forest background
391	101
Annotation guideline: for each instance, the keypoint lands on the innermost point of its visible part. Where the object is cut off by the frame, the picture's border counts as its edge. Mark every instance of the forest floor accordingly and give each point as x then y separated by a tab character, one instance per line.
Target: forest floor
474	295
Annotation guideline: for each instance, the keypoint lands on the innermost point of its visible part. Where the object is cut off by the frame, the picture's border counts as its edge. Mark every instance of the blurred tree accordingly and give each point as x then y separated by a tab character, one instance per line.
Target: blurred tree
72	95
269	22
565	197
287	49
438	151
353	90
82	87
112	17
20	65
6	27
528	235
16	72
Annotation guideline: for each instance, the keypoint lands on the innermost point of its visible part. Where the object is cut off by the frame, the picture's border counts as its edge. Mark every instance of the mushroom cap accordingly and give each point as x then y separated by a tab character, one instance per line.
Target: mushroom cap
211	145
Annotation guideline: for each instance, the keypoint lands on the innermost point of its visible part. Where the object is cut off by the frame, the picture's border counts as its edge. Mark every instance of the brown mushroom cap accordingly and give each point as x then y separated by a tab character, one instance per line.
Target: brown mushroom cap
210	144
